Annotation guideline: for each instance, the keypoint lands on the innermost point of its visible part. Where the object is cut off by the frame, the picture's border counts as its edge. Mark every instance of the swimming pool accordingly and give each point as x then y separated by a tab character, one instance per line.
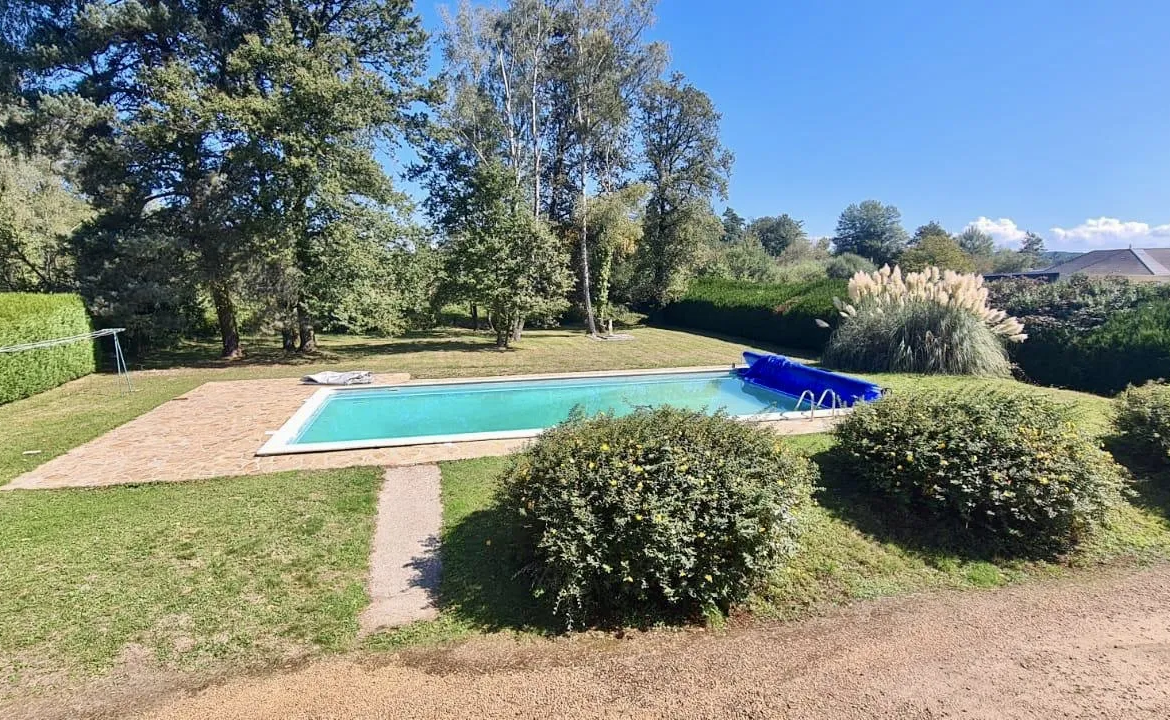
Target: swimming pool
434	412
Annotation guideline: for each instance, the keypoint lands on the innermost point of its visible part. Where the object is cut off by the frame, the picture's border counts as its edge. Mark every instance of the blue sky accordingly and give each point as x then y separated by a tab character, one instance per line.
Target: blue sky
1039	115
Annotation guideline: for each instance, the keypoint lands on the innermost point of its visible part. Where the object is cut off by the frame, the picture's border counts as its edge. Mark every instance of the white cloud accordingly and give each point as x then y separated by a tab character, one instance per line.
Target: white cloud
1004	230
1092	234
1107	232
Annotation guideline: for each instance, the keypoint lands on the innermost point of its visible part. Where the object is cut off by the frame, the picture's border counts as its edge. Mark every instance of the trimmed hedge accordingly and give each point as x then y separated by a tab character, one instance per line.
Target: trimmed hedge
664	514
1005	473
781	314
29	317
1141	415
1094	334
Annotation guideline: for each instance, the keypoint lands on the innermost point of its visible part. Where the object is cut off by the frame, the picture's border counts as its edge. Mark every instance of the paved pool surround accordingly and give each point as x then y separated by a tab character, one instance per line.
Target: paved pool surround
216	429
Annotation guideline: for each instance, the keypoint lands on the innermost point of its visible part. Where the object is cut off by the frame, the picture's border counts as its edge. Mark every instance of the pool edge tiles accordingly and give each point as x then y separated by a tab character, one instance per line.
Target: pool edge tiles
285	440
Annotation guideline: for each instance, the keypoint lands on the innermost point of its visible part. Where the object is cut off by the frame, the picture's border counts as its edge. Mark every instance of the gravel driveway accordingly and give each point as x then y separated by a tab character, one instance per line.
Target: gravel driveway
1091	647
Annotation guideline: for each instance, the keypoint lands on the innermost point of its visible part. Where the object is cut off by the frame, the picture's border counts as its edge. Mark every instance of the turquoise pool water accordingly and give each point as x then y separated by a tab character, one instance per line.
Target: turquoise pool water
487	407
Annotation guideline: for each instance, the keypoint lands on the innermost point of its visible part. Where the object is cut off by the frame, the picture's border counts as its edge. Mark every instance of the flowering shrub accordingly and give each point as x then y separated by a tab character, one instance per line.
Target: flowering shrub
663	513
926	322
1001	472
1142	416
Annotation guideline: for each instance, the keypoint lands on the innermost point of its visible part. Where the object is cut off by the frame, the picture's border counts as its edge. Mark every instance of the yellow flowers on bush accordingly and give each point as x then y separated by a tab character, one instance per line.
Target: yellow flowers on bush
693	510
991	471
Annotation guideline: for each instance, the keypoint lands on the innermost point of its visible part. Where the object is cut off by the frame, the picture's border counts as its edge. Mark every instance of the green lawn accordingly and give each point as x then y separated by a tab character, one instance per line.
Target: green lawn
852	549
248	571
224	572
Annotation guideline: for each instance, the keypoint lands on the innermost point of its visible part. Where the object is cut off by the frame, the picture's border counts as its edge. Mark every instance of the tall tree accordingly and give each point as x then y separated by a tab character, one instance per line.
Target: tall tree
1032	248
778	233
976	243
930	229
936	251
39	211
734	226
615	232
871	230
604	66
686	166
499	76
205	133
502	257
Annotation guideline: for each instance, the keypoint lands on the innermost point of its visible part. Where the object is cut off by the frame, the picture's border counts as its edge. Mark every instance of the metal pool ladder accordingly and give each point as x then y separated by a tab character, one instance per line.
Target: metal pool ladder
818	403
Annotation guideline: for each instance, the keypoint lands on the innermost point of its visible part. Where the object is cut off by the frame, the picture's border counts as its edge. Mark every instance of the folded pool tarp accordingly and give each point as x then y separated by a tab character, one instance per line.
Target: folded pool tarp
777	372
330	377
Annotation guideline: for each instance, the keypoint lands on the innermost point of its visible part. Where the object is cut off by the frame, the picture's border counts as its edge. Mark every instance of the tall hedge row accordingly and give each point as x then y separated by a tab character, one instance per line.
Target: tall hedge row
1093	334
784	314
29	317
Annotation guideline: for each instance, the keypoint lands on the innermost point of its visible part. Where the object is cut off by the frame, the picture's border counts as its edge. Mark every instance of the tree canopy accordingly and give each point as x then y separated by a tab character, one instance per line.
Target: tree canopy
232	133
686	166
872	230
778	233
938	251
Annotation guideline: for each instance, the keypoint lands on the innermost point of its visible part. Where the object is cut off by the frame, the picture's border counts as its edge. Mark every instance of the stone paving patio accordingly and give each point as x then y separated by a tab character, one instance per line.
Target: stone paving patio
216	429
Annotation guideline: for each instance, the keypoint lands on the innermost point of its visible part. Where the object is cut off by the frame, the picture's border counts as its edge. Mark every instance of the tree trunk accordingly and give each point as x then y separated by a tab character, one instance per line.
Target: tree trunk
590	323
288	337
504	329
305	326
518	329
225	314
474	317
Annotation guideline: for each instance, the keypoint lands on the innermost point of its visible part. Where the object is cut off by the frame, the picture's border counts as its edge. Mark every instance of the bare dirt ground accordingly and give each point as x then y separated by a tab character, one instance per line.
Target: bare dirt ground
1095	646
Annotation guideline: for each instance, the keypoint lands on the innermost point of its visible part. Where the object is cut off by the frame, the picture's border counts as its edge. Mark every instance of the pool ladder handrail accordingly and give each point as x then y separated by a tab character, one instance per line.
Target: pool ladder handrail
811	395
819	403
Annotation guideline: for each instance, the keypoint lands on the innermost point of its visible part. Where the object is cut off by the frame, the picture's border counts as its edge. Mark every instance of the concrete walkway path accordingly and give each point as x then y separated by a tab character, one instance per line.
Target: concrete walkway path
404	563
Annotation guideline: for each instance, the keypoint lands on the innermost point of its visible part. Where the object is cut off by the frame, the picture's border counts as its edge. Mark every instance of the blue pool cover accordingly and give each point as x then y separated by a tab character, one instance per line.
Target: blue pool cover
778	373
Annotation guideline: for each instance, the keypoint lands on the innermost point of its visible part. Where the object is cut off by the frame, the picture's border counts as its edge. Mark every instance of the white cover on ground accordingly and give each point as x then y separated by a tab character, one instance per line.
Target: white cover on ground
330	377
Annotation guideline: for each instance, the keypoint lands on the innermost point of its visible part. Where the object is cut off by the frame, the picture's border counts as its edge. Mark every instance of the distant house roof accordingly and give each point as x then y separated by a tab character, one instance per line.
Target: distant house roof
1130	262
1133	263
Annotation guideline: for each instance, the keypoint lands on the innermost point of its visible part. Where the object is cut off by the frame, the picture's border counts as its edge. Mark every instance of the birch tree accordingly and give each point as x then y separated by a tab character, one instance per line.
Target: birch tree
604	68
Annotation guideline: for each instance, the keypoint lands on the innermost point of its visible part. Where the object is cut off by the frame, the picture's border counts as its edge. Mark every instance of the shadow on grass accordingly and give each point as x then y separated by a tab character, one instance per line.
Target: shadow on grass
843	493
483	581
267	351
1151	478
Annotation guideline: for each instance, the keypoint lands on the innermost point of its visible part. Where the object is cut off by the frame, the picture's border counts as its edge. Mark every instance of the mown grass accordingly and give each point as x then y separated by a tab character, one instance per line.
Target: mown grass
852	548
227	572
252	570
49	424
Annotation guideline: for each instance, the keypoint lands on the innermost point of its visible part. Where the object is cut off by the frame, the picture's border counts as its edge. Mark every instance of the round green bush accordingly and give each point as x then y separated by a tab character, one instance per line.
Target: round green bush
993	471
1142	416
846	265
662	514
916	337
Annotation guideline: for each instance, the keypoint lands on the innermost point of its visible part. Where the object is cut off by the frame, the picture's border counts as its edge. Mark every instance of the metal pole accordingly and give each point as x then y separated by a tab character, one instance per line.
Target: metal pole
120	363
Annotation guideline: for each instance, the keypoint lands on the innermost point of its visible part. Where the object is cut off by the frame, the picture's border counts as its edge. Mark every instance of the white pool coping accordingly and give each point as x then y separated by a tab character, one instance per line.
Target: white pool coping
281	441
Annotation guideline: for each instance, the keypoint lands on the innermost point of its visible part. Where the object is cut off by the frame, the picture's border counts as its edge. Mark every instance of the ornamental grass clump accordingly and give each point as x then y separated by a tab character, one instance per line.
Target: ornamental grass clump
664	514
1004	473
933	321
1141	415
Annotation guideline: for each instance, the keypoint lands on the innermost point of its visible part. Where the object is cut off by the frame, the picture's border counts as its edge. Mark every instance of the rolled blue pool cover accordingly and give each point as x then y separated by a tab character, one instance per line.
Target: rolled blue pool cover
782	374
